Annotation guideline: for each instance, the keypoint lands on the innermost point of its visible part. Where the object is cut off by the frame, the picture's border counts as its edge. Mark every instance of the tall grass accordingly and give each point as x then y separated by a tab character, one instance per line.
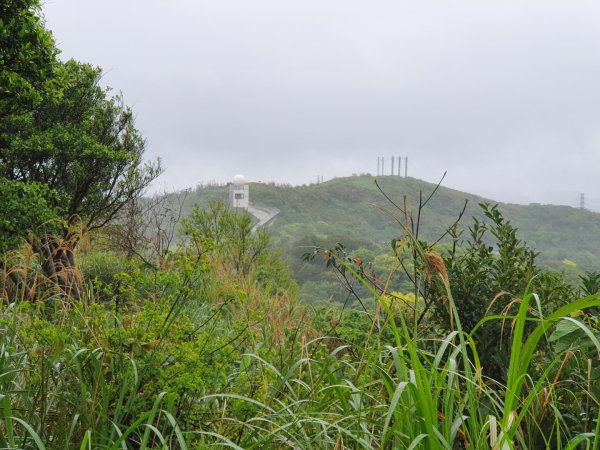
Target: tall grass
406	394
146	375
61	395
121	371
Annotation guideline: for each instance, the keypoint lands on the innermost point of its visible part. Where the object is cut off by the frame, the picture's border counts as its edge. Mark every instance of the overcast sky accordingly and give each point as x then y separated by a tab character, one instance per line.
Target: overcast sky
503	95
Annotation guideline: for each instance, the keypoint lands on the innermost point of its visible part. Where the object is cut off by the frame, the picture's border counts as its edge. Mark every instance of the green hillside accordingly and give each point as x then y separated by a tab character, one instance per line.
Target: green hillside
348	210
144	323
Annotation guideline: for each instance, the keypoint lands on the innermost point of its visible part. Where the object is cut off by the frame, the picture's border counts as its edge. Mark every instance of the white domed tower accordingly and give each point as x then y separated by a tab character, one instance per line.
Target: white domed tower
239	192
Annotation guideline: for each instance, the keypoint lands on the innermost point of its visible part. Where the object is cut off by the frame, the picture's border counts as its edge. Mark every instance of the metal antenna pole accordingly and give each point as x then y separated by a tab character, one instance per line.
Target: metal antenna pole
392	173
405	166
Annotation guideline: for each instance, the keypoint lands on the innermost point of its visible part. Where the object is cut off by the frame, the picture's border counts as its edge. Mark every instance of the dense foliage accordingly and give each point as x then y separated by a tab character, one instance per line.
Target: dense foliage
201	352
436	338
69	151
81	144
348	210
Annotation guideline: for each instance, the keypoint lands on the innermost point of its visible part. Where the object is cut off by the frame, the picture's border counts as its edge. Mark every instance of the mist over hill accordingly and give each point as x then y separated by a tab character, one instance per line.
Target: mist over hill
351	210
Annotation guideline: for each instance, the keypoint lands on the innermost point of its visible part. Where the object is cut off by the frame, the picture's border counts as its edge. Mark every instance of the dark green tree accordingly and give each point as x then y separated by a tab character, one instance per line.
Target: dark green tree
22	203
488	273
27	57
64	139
82	145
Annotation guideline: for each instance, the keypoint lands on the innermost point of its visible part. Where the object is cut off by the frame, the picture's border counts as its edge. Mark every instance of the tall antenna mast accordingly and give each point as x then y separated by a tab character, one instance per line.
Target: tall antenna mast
399	166
392	172
378	166
382	166
582	201
405	166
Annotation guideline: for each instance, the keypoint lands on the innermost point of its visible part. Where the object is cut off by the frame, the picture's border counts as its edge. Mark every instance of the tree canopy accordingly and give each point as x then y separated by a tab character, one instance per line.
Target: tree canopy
64	139
27	56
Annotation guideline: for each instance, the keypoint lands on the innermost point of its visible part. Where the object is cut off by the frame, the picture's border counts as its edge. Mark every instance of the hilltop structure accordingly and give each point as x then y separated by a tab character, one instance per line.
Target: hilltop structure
239	192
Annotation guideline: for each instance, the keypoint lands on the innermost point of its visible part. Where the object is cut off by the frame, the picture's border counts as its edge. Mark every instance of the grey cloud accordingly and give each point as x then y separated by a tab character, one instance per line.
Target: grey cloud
505	96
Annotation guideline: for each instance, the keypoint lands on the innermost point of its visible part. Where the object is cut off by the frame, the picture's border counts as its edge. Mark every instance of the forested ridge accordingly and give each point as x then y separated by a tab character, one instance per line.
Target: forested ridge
133	321
349	210
331	208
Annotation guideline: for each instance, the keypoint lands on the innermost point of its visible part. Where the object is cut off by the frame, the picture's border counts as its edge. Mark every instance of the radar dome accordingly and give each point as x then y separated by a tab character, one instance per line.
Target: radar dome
239	179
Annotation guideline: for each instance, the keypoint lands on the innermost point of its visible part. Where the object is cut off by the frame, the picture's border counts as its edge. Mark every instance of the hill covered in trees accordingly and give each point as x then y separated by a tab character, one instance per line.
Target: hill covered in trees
350	209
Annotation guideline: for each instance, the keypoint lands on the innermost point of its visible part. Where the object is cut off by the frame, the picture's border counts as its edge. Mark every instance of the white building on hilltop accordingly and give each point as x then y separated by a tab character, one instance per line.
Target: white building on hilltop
239	192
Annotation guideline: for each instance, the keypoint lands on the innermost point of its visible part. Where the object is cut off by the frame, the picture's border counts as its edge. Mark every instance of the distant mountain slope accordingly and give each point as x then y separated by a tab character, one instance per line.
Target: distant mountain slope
347	209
